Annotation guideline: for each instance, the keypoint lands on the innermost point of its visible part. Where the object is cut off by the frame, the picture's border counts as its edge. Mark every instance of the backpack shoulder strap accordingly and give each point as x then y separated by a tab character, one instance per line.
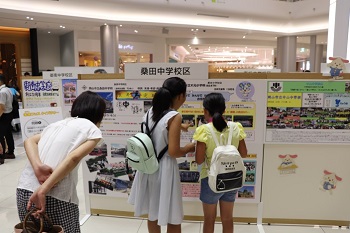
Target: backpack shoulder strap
210	127
232	128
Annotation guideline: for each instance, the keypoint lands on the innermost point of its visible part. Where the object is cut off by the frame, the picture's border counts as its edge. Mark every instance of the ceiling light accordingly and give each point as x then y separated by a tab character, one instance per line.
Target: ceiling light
136	31
105	24
195	40
31	18
28	17
120	25
49	32
243	37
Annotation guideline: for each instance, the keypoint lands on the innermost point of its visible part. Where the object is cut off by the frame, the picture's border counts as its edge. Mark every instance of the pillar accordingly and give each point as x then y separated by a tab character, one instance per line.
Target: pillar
286	53
338	29
312	53
109	38
318	58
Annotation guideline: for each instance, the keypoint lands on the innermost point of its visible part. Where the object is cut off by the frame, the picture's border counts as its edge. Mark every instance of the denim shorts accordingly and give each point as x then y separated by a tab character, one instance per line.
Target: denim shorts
207	196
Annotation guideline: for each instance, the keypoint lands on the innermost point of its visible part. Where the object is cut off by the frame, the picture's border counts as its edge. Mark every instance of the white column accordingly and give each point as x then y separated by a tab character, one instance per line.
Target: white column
109	38
312	53
286	53
319	58
338	29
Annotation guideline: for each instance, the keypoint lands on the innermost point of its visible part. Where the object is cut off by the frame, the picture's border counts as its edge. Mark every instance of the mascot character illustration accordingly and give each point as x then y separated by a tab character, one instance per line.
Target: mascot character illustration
337	67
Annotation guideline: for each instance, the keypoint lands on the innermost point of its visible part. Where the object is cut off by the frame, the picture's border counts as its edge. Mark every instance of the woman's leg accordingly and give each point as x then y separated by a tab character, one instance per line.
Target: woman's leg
153	226
209	217
226	214
174	228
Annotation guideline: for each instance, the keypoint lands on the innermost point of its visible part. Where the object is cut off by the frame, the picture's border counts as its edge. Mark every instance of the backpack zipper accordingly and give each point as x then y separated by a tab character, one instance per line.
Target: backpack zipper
143	145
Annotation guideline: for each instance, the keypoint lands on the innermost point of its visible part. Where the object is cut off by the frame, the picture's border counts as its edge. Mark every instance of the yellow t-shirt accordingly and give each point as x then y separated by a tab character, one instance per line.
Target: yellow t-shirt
203	134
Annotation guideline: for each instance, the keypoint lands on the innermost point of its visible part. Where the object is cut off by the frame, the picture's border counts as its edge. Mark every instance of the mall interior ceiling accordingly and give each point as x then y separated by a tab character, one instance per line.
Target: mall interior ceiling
234	26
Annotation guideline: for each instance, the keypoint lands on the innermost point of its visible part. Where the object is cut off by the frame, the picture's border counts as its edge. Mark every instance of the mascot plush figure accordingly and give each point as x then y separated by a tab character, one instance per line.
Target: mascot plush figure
337	67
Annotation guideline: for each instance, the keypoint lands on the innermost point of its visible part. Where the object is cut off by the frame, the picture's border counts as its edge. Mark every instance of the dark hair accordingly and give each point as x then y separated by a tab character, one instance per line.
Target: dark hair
215	104
162	100
2	78
89	105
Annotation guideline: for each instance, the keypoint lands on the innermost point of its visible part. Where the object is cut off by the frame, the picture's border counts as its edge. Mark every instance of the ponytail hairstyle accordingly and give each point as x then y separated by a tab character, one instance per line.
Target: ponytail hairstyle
214	103
164	97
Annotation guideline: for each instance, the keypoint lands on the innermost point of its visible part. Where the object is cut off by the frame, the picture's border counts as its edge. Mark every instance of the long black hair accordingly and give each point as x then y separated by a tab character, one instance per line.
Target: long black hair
89	105
162	100
215	104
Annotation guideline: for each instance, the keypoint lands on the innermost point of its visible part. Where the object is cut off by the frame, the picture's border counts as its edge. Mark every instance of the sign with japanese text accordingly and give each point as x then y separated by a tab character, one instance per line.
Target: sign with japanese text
34	120
147	71
38	93
308	112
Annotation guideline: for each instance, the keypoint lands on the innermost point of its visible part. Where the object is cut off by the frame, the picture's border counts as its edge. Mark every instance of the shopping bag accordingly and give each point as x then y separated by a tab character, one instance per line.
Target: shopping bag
32	226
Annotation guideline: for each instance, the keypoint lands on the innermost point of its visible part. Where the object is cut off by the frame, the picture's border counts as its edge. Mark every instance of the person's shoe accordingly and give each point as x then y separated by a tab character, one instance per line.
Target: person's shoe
9	155
2	160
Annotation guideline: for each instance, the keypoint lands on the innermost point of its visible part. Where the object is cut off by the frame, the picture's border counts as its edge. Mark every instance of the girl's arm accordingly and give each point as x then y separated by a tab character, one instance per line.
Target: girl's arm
242	148
42	171
200	152
174	125
63	169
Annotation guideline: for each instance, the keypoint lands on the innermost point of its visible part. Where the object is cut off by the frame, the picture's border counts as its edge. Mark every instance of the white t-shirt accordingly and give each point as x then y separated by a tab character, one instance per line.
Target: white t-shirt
56	142
6	98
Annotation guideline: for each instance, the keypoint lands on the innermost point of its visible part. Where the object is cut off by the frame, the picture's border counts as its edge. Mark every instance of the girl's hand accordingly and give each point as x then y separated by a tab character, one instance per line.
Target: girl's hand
43	172
185	126
38	199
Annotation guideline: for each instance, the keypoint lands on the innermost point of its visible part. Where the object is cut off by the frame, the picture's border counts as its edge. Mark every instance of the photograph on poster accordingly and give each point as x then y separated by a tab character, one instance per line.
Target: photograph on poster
97	163
188	119
200	120
118	150
250	178
99	150
69	91
247	192
246	121
146	105
227	117
108	98
250	165
189	176
96	189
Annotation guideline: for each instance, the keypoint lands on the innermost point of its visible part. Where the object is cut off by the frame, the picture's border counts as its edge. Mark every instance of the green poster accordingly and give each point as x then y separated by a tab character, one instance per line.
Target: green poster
308	86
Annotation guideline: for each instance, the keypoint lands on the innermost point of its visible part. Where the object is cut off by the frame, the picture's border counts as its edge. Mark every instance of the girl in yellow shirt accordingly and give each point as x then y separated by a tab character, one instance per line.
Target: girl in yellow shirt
214	107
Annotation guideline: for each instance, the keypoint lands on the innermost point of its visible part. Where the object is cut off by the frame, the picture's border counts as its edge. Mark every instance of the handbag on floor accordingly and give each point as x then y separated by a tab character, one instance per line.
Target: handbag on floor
32	226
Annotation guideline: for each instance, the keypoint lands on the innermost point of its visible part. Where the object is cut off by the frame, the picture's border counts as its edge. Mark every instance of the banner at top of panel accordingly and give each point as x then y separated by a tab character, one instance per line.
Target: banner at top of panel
147	71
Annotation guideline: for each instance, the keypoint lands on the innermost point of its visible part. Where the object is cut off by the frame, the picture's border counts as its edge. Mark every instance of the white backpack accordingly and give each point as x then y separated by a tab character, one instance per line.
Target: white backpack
140	153
226	170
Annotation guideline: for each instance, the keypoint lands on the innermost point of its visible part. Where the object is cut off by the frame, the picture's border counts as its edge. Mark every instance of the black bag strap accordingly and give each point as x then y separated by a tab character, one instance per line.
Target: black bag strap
148	131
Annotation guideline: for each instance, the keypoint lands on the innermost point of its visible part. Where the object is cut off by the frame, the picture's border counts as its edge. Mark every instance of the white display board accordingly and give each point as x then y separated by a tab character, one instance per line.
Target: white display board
105	170
34	120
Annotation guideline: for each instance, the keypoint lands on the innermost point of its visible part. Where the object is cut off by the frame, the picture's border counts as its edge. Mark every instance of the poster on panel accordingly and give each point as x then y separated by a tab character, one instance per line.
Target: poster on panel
40	93
34	120
106	171
308	112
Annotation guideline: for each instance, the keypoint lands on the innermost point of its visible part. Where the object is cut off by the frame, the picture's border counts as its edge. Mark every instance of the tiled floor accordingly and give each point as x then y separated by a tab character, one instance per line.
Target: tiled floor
10	171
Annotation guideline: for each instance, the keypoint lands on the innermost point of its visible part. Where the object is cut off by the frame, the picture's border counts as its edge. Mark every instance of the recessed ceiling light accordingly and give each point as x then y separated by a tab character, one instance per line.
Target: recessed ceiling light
243	37
31	18
49	32
120	25
136	31
28	17
105	24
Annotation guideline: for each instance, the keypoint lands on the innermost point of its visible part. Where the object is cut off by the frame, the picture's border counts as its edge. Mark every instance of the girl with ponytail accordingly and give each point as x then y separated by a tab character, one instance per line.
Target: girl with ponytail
159	194
214	108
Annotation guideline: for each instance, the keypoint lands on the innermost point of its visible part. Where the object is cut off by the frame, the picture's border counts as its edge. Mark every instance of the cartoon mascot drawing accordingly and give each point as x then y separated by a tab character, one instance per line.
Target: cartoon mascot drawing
337	67
329	181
